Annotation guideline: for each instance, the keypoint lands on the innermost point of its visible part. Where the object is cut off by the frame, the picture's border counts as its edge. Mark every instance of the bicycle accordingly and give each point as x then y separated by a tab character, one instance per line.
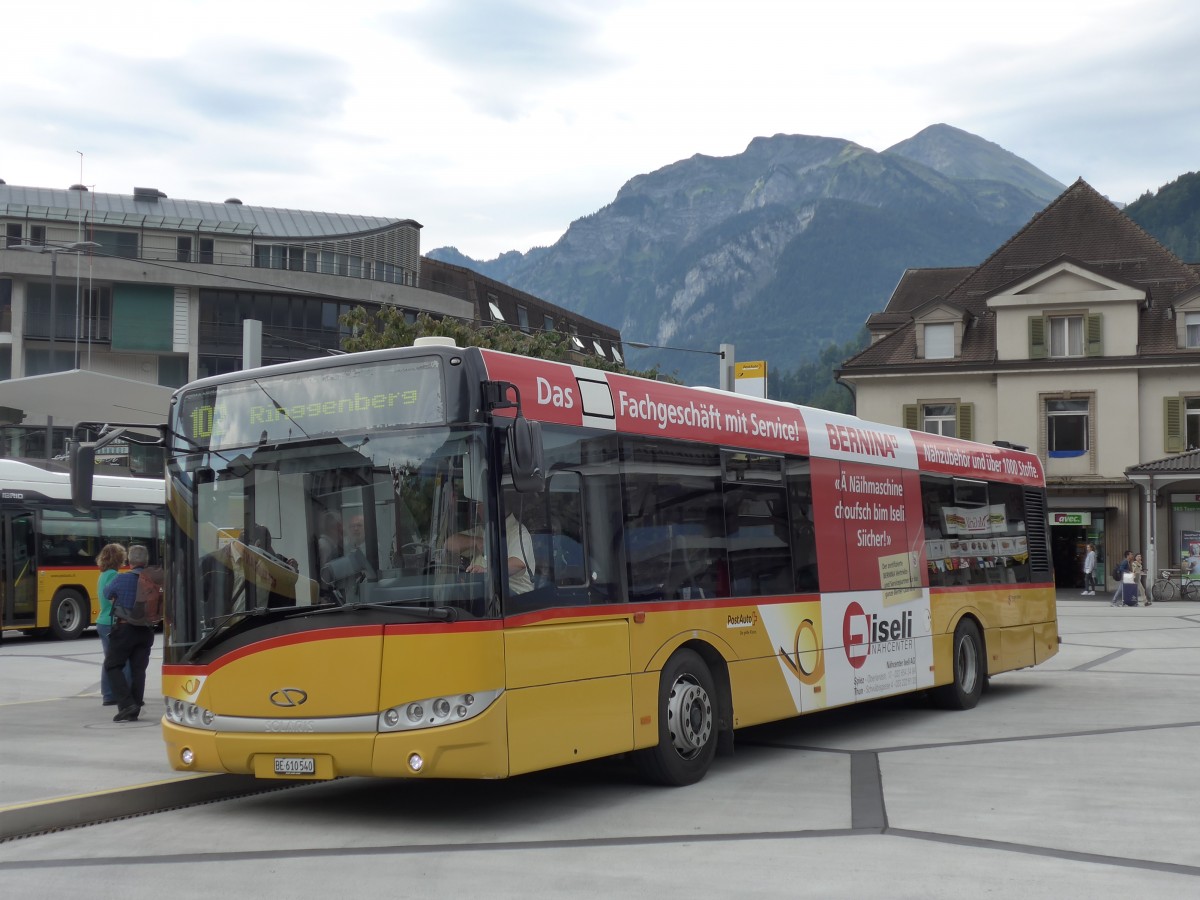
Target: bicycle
1165	588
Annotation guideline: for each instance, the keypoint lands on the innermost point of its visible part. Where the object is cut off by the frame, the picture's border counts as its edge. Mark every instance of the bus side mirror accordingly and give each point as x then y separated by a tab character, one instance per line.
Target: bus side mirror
526	455
82	460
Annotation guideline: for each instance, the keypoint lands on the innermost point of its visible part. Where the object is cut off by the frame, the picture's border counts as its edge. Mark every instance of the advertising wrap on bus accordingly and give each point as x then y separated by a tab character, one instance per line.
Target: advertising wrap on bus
563	394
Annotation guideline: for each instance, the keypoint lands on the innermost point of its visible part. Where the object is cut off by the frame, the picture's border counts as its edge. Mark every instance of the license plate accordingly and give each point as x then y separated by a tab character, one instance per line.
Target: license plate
295	765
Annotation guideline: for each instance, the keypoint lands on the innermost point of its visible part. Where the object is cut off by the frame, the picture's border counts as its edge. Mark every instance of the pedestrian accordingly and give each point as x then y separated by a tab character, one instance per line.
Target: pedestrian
1139	577
111	558
130	642
1124	567
1089	571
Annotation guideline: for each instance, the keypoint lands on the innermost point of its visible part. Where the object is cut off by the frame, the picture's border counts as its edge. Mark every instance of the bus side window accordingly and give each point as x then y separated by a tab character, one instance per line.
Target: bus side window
804	535
131	526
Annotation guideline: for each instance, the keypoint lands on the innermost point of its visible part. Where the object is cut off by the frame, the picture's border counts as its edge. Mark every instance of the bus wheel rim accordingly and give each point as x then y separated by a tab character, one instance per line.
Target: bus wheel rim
968	664
68	615
689	717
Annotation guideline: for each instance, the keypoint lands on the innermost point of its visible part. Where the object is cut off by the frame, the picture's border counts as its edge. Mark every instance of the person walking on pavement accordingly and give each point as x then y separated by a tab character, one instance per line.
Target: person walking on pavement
1089	571
1138	567
1124	567
129	642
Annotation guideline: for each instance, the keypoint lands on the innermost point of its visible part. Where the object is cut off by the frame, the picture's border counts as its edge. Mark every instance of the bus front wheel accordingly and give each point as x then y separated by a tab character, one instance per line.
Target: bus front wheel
687	730
69	615
970	669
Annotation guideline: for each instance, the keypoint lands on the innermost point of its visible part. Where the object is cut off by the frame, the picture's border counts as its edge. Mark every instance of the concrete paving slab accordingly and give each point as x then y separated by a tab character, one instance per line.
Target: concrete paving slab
1073	779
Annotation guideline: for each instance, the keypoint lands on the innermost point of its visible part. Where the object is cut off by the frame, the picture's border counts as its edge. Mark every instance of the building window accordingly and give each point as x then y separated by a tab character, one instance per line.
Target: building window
183	249
1066	336
939	341
1191	324
12	233
206	250
523	317
494	307
37	235
117	243
1067	427
547	323
1193	423
940	418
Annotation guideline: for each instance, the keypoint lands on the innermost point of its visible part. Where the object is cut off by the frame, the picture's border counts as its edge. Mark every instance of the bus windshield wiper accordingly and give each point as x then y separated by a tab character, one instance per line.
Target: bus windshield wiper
220	625
441	613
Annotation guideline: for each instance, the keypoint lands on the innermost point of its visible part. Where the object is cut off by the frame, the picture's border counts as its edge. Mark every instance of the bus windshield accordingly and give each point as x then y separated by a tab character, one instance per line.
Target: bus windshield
364	521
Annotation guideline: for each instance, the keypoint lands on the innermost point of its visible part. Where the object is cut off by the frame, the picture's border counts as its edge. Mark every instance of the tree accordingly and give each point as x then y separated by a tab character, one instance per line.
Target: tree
389	328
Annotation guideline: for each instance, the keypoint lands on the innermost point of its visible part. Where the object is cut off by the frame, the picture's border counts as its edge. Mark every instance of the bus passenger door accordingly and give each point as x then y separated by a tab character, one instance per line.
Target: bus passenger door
18	568
567	673
569	692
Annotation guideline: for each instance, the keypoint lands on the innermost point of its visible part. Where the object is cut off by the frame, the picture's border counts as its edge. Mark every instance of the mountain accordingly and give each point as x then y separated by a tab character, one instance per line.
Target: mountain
1172	214
783	249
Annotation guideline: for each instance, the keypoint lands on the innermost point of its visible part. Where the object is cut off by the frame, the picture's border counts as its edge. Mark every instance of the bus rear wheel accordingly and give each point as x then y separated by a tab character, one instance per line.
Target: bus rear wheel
970	670
69	615
687	729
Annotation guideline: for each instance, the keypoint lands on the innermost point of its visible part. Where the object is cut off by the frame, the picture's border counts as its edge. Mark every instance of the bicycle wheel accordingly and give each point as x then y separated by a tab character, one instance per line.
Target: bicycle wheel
1164	589
1190	590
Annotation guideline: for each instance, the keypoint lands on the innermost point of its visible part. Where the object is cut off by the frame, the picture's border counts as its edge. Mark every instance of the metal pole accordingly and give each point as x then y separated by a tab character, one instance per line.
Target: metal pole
53	308
727	363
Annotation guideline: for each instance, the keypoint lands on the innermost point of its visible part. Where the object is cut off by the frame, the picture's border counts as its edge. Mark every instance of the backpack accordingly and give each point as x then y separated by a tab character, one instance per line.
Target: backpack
1117	573
148	603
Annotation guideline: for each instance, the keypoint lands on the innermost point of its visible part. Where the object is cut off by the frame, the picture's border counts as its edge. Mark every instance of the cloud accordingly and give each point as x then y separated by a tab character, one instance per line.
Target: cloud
503	54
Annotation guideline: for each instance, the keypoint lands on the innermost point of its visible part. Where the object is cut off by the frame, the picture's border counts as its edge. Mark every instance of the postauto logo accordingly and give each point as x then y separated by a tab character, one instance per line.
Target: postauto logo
861	630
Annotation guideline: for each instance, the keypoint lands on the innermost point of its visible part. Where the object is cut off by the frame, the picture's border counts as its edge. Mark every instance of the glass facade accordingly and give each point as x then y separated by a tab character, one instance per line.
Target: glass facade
294	327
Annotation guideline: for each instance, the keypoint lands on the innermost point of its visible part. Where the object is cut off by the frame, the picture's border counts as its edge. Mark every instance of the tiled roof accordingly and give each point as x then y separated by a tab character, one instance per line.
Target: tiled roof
920	285
1179	462
1081	225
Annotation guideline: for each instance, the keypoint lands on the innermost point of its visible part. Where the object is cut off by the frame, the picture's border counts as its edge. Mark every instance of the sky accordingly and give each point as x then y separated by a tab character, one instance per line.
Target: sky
496	124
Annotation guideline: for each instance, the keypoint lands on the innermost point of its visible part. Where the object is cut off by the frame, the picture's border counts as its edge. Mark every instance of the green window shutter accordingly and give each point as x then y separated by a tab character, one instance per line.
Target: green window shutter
910	417
1037	337
1174	411
143	317
1095	334
966	421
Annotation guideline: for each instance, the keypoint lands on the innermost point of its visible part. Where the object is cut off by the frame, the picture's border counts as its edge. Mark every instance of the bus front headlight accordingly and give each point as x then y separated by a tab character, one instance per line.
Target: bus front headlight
433	711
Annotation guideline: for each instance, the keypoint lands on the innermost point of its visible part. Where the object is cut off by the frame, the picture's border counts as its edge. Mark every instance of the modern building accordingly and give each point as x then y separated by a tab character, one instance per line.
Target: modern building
1079	338
142	288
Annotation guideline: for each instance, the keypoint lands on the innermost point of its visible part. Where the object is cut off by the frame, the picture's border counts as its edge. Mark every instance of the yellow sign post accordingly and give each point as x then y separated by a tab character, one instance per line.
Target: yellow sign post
750	378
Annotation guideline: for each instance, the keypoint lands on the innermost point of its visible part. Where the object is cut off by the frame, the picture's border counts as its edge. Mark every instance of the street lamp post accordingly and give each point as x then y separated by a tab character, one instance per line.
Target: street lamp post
74	247
725	381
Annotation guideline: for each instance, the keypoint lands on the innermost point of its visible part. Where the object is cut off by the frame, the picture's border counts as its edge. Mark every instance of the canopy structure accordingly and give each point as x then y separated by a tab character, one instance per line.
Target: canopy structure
66	398
1157	480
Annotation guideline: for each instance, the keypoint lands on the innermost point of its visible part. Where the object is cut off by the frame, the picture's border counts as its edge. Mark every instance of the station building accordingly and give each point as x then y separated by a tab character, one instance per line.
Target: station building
1078	338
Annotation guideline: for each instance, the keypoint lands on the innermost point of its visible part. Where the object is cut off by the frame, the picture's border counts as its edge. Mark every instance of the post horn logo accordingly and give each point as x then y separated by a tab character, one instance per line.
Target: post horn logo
808	664
288	697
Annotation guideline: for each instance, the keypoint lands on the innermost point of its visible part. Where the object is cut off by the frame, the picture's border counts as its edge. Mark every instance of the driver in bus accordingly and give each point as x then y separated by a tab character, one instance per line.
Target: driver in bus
521	564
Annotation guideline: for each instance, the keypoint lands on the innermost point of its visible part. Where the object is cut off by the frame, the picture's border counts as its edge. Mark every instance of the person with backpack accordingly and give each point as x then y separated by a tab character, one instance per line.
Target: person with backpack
1123	568
136	608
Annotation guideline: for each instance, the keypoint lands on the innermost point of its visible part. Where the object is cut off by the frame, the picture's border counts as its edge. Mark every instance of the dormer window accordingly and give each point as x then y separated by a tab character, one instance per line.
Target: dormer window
1191	326
940	328
939	341
1066	336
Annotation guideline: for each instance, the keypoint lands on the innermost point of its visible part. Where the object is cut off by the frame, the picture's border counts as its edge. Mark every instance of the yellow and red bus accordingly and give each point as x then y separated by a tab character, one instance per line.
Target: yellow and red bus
653	567
48	549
